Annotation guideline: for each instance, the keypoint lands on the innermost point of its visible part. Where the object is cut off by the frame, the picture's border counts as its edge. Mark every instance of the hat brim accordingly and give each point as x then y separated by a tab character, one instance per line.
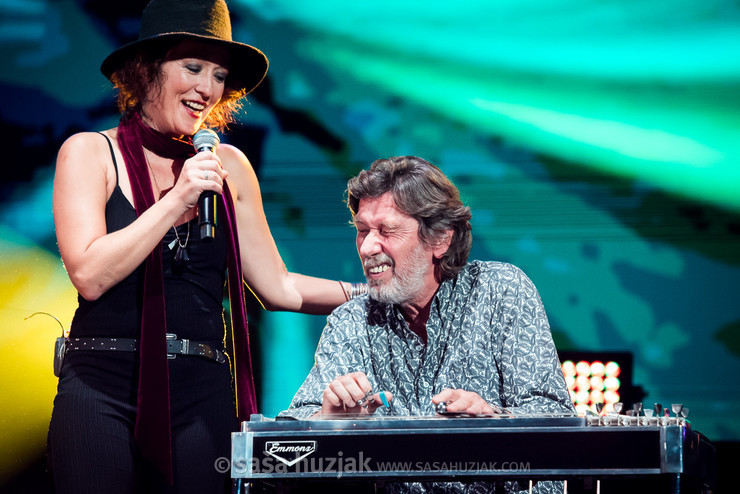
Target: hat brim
247	64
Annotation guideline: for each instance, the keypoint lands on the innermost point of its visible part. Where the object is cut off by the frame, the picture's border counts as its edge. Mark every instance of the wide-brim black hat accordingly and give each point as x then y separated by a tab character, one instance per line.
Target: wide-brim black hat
166	21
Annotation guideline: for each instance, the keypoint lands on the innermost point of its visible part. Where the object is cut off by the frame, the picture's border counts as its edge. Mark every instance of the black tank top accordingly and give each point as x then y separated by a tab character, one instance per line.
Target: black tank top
193	294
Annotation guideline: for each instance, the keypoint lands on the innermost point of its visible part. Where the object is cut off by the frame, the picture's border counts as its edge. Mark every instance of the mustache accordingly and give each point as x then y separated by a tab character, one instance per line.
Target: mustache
377	260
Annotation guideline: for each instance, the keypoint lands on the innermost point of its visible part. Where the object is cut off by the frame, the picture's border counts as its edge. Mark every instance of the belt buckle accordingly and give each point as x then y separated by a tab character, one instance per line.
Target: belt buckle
184	346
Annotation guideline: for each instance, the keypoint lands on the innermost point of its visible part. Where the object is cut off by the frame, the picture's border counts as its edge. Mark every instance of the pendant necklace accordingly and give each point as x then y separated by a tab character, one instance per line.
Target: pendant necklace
181	254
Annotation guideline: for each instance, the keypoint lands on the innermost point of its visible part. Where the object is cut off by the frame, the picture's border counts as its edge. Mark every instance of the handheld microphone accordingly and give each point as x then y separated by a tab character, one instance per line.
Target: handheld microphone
206	140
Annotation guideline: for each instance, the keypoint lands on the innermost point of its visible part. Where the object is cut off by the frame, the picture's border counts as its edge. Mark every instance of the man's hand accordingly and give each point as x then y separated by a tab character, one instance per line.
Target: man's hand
461	401
343	393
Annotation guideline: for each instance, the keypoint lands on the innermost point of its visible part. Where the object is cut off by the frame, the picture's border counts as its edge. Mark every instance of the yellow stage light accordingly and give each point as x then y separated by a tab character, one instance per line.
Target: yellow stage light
31	280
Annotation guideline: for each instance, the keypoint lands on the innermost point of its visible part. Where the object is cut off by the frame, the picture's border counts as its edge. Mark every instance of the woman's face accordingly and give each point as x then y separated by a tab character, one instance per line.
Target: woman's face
192	81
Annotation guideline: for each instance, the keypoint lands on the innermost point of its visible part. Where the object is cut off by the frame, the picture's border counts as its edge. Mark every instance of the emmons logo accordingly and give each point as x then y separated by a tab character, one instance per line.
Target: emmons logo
290	452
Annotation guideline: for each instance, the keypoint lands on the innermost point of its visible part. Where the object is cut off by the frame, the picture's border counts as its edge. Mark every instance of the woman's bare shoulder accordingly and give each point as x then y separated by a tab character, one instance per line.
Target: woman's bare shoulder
234	161
87	143
89	154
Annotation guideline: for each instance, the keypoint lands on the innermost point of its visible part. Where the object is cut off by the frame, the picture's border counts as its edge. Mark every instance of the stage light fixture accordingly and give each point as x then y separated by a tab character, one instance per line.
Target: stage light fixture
592	378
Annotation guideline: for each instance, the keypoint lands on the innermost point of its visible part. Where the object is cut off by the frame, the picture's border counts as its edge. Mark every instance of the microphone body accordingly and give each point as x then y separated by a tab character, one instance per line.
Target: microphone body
206	140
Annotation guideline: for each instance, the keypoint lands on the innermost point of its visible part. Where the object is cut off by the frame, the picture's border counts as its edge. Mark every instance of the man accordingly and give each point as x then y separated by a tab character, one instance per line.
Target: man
433	328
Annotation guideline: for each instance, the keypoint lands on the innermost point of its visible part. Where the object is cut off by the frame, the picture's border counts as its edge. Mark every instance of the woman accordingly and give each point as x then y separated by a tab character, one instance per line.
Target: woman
144	400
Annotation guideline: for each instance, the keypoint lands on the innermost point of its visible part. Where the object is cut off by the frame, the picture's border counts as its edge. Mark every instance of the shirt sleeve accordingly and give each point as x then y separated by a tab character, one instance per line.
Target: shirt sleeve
532	379
339	352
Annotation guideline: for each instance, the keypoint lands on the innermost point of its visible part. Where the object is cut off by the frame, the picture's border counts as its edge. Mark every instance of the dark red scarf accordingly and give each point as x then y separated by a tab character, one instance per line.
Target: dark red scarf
153	432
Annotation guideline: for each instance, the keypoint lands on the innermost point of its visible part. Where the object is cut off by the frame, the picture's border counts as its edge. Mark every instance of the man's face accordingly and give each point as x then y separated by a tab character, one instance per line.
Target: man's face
398	267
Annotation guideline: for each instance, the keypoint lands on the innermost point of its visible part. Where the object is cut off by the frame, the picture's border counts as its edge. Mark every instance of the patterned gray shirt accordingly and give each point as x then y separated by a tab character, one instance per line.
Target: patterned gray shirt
487	332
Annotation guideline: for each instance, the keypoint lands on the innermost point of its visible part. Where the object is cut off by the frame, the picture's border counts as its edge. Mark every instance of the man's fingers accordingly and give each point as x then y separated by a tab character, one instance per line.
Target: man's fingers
444	395
459	405
461	401
355	391
331	397
349	389
381	399
345	398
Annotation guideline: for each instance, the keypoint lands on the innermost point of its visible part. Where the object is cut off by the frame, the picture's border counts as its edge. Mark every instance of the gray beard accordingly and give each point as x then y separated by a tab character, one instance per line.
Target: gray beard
406	282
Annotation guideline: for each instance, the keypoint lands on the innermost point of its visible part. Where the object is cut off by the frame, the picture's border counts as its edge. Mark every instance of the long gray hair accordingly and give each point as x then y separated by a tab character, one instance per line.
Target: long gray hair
423	192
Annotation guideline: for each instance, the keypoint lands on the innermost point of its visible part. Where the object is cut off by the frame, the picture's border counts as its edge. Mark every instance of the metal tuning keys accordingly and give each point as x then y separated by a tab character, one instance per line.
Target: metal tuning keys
639	415
648	418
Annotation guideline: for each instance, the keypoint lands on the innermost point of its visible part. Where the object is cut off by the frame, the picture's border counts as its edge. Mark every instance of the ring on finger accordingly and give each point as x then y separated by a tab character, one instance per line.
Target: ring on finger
205	174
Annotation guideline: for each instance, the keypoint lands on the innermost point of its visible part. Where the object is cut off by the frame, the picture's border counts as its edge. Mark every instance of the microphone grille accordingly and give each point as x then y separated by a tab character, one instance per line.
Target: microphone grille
205	138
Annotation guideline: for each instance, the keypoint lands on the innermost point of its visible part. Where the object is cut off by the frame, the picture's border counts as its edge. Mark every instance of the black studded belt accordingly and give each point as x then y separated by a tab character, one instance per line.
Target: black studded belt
175	347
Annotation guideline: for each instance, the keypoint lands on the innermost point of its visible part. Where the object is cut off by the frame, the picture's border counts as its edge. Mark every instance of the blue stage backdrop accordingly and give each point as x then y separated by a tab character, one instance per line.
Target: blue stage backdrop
596	142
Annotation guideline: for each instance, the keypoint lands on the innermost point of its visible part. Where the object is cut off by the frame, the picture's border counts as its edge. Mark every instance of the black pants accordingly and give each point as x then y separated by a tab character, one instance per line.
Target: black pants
91	443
